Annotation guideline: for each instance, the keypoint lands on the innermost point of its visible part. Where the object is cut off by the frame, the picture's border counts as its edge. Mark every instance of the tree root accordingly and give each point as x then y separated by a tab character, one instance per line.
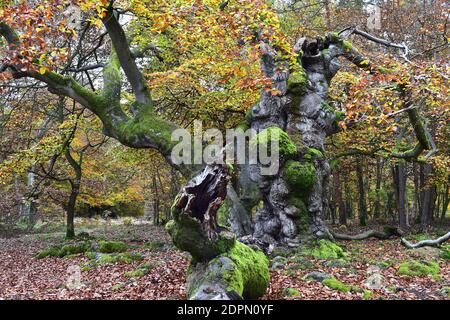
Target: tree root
381	235
426	243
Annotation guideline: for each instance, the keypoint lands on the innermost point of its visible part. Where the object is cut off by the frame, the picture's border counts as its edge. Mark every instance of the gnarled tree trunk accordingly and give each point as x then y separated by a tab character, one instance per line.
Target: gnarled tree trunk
221	268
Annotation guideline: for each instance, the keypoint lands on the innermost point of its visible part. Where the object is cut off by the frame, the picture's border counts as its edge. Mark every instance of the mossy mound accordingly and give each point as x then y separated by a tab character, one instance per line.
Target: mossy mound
300	176
140	271
65	250
125	257
367	295
313	152
154	245
112	246
296	83
416	268
325	249
274	134
290	292
445	252
335	284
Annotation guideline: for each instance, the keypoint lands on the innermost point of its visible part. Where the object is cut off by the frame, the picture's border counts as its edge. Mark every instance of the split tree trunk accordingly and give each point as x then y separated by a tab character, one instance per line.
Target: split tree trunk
221	267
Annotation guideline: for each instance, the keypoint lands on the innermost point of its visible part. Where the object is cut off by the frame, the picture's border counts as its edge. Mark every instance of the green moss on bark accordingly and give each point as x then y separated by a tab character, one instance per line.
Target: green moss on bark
274	134
296	83
300	176
187	235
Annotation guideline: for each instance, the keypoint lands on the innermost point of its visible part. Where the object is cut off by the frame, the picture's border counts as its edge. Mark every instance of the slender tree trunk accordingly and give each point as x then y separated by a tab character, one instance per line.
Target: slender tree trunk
415	207
377	206
338	197
445	202
427	196
74	191
362	195
399	177
155	202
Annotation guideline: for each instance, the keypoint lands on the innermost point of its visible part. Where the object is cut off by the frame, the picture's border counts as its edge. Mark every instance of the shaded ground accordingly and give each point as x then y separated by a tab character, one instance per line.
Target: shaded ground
23	276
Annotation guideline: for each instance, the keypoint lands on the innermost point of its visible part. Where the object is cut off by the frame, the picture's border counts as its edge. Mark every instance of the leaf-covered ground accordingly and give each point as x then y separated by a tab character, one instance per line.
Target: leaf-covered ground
23	276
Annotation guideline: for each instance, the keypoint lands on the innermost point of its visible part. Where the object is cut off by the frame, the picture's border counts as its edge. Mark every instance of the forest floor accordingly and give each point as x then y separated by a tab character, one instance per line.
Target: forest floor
159	270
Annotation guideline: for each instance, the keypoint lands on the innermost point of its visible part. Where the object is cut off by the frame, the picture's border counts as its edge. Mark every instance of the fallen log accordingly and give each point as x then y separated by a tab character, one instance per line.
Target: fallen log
426	243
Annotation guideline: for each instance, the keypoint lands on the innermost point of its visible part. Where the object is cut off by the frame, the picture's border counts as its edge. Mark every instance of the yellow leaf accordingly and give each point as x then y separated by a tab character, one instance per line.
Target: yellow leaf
42	70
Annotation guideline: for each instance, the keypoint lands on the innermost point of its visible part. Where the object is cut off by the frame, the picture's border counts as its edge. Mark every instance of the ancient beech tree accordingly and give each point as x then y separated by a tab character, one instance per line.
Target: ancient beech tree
295	107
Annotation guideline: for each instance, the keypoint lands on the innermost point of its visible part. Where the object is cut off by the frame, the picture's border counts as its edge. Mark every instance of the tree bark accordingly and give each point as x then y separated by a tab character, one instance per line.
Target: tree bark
221	267
377	206
74	191
362	194
399	176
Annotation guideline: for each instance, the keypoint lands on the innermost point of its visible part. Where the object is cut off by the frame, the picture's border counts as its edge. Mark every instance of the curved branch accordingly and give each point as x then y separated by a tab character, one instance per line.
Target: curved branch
426	243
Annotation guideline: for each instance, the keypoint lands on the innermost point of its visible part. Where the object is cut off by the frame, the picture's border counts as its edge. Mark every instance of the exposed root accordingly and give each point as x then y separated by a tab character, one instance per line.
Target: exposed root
426	243
382	235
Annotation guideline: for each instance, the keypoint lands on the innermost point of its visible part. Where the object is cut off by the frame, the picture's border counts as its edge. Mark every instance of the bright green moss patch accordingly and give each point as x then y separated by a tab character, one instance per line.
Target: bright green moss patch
65	250
315	153
300	176
296	83
125	257
325	249
347	45
416	268
445	252
335	284
112	246
154	245
251	276
140	271
368	295
274	134
290	292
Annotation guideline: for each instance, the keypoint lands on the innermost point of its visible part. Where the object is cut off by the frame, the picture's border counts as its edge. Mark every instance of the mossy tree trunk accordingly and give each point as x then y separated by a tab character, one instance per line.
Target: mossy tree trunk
221	267
295	199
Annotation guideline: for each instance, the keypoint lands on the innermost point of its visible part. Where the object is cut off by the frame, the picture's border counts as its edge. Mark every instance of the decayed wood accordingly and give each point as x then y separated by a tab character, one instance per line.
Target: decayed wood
202	197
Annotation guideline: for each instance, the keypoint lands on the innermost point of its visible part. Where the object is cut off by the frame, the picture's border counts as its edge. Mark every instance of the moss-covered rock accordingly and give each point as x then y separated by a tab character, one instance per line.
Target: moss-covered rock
296	83
325	249
315	153
125	257
140	271
112	246
347	45
274	134
291	292
300	176
65	250
335	284
416	268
